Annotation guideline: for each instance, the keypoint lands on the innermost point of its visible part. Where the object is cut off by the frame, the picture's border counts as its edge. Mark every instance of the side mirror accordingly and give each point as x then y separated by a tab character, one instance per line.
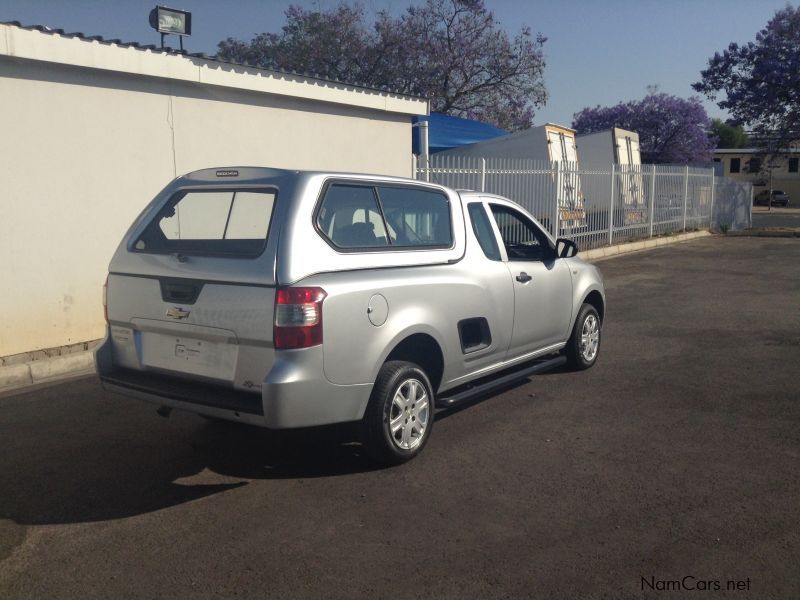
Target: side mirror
566	248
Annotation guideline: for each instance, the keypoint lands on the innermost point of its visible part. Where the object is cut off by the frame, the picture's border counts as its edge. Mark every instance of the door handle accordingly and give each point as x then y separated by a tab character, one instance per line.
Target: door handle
524	277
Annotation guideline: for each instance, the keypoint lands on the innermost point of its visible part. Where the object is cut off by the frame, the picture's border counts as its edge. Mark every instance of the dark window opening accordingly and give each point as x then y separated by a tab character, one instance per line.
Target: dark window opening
793	164
736	165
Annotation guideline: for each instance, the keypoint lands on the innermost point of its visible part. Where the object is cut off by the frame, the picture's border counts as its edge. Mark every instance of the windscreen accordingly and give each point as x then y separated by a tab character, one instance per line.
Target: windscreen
211	222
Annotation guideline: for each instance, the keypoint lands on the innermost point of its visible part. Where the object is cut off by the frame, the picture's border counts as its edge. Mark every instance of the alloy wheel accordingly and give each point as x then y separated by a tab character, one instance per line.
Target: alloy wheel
409	414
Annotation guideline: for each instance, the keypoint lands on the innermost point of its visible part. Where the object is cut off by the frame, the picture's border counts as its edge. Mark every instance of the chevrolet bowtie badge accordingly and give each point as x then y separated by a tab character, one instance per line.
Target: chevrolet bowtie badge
177	313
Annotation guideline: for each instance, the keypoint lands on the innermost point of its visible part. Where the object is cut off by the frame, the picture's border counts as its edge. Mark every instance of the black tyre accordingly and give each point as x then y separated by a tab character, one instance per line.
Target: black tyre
583	346
399	417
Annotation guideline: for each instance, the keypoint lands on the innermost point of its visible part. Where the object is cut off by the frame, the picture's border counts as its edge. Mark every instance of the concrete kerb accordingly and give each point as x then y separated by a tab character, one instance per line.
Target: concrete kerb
48	370
609	252
33	372
781	232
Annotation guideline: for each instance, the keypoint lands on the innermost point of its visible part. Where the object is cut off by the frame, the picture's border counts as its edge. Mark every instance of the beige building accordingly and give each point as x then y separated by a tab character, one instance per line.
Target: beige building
92	129
746	164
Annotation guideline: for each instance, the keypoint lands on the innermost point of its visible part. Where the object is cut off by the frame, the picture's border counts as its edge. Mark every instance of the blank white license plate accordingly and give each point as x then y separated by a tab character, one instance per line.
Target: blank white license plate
189	355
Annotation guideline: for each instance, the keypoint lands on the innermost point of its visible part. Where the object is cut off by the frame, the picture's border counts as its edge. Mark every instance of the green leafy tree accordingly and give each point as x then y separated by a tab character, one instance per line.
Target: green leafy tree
450	51
728	135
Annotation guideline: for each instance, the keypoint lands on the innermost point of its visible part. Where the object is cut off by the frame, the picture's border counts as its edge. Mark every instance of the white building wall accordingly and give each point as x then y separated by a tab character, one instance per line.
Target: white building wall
83	150
782	179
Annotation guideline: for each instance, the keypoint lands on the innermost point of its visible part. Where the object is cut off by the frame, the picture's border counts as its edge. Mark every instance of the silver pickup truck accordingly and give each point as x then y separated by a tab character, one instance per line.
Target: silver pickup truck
291	299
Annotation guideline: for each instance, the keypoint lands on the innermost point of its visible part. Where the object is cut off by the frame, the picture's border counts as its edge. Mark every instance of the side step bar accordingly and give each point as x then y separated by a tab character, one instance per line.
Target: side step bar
471	391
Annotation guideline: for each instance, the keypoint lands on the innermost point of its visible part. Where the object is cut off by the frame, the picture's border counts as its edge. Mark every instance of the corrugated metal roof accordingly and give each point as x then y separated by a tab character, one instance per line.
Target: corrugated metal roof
203	56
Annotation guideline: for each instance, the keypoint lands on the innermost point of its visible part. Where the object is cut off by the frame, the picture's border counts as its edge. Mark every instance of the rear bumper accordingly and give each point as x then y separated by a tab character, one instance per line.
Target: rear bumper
294	393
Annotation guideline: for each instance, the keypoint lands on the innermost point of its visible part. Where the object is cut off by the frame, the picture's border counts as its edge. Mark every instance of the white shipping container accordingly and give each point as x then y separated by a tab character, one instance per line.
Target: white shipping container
619	148
549	143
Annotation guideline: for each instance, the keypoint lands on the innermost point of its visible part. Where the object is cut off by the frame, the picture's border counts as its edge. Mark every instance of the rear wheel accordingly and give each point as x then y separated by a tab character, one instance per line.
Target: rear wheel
399	417
583	346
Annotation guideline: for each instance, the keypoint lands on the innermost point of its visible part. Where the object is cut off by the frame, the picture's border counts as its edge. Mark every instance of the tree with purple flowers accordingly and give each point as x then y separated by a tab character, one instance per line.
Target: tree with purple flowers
450	51
671	129
761	80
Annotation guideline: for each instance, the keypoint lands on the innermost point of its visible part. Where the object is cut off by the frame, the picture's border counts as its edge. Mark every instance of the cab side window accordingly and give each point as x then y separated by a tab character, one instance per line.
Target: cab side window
521	238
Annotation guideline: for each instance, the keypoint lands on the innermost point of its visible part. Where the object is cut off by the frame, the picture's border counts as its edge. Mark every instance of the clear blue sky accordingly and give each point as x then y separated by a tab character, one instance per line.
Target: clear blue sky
598	51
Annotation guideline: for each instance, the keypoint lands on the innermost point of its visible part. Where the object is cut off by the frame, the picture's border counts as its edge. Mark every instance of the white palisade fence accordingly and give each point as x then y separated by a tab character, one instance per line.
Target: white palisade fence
602	207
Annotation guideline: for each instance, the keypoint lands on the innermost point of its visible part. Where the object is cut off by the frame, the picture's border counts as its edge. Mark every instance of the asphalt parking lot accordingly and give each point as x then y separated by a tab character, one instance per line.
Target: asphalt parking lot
676	458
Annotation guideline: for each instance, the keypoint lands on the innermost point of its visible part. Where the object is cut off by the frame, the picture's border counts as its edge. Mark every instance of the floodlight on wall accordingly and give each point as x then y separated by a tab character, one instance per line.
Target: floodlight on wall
171	21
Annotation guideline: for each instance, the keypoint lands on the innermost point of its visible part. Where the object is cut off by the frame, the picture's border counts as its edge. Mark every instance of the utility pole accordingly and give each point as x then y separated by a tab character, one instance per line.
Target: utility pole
768	166
772	153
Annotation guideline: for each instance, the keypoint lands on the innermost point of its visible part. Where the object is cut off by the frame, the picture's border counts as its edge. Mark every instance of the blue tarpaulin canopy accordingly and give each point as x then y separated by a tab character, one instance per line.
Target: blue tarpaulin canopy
446	132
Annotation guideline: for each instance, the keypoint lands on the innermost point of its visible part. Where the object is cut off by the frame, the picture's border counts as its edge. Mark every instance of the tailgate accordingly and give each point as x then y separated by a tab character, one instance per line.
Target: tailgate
221	332
191	290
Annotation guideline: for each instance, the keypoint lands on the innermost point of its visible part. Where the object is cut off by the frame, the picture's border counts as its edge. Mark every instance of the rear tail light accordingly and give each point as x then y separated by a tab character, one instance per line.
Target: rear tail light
298	317
105	300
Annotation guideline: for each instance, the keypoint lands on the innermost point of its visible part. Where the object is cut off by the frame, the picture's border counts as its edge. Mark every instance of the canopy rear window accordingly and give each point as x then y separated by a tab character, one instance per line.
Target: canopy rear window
211	222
